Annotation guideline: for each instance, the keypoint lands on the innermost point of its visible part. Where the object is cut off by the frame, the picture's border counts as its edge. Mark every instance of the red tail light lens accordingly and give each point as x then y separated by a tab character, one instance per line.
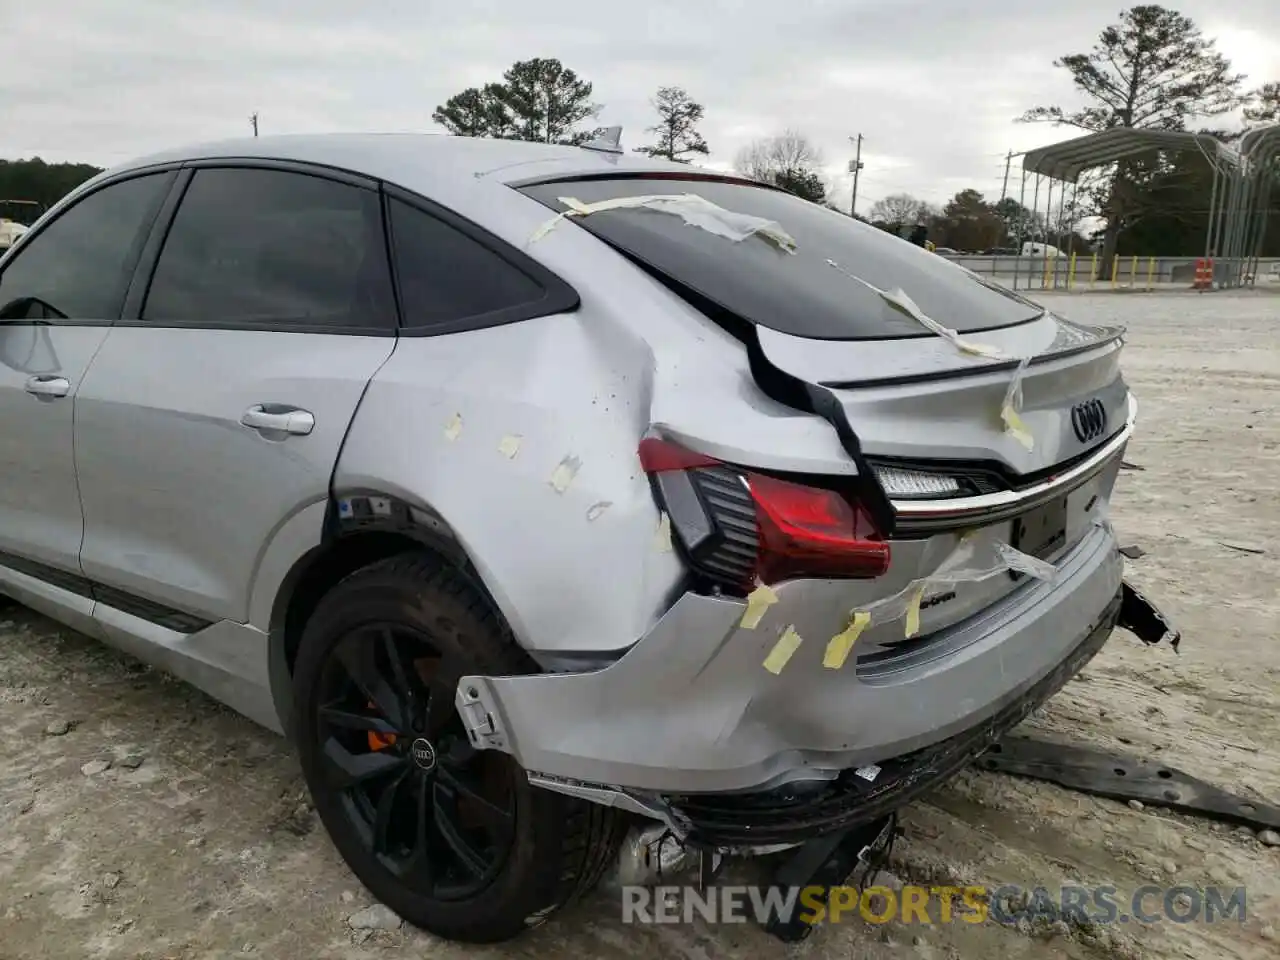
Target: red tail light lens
809	531
738	527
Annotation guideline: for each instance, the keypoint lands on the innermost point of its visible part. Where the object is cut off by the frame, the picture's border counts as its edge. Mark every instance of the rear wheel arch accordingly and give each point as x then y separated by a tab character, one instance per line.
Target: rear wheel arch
360	530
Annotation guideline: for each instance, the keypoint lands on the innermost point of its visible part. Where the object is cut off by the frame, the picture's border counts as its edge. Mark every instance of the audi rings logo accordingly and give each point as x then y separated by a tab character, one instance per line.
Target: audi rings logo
1089	419
423	754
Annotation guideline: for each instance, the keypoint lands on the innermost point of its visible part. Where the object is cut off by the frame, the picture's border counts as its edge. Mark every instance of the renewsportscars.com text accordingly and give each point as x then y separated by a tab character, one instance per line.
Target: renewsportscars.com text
933	905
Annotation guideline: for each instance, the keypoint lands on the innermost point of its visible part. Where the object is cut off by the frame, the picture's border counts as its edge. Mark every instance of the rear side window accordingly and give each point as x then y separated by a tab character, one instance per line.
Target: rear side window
274	250
809	292
79	266
449	280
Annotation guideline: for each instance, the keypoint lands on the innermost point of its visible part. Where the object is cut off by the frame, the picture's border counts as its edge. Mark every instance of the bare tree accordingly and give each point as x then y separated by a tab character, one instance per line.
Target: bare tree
899	210
678	116
789	160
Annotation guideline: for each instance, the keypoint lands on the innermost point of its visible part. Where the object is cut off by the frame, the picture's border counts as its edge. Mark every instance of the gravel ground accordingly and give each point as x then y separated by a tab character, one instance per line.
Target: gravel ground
196	841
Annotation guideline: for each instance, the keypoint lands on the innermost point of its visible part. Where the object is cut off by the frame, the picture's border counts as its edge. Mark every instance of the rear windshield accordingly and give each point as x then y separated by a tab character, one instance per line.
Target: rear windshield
808	292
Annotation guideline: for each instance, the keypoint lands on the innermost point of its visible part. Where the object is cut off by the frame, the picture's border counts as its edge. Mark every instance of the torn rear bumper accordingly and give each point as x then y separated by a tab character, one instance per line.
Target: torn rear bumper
691	710
805	810
1140	617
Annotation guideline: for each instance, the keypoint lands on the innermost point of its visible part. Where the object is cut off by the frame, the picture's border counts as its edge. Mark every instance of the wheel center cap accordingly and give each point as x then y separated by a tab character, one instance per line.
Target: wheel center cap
423	754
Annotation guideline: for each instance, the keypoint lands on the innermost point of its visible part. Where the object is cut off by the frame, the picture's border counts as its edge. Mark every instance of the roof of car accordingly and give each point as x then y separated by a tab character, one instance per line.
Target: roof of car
420	161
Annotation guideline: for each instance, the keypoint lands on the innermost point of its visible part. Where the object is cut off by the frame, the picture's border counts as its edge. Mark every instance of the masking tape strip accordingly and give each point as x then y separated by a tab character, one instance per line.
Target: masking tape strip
546	228
1025	563
759	600
972	561
782	651
695	210
913	611
900	301
975	558
1010	409
841	645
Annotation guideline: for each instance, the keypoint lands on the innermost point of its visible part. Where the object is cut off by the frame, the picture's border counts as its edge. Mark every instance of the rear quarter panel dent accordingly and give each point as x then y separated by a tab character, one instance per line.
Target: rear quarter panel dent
571	570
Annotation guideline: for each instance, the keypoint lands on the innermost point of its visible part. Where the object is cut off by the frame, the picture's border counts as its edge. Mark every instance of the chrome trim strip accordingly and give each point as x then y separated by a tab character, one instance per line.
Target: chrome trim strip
1004	502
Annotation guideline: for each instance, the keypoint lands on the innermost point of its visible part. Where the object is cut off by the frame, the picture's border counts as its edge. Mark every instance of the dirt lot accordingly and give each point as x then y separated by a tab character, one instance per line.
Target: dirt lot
197	840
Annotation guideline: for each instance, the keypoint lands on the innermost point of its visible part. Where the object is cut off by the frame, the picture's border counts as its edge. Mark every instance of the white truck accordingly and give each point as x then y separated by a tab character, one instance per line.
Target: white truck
10	231
1034	248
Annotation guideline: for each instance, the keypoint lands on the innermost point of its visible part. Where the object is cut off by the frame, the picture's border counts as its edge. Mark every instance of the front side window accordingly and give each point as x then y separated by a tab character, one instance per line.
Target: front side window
80	265
275	250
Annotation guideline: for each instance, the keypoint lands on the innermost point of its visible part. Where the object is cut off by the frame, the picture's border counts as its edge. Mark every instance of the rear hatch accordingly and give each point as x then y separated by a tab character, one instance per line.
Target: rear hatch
805	287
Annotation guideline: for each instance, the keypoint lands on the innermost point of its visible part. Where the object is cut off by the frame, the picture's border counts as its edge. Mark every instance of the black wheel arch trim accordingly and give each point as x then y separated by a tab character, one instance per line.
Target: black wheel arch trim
351	514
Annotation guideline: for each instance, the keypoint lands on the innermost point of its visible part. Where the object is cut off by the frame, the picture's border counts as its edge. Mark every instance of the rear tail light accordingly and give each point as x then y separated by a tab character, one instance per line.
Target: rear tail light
737	527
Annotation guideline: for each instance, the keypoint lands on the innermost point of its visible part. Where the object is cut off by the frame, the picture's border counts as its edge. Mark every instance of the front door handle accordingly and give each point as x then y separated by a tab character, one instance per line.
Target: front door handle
275	418
48	386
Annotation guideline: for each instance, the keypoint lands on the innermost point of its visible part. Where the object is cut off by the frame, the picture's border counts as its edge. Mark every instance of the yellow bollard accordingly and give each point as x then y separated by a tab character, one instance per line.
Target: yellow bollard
1133	272
1115	270
1151	272
1071	270
1093	270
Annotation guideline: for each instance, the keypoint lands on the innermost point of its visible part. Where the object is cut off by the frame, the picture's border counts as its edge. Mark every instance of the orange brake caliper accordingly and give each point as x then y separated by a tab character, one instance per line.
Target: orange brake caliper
379	741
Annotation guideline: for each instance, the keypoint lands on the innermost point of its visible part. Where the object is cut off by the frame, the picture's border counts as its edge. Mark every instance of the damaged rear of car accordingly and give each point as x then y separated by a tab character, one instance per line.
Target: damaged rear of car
853	626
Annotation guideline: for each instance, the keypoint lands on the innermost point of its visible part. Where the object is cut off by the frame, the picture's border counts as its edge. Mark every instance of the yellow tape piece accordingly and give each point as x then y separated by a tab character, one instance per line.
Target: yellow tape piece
509	446
564	473
453	430
662	536
758	601
782	651
1014	426
841	645
913	611
978	349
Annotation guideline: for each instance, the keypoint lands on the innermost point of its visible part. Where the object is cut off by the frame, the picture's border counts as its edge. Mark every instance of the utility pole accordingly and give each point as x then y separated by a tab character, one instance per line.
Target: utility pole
1008	162
855	166
253	120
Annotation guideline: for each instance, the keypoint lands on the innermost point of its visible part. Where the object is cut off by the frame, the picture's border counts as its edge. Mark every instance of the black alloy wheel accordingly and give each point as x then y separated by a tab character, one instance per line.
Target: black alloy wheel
454	839
437	813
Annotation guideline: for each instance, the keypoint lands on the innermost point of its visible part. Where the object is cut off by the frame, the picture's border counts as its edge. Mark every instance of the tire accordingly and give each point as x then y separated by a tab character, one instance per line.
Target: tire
556	847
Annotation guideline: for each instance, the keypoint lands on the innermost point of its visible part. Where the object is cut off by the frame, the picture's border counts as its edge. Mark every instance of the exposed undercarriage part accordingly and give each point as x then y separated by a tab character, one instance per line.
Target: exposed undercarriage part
829	828
1119	777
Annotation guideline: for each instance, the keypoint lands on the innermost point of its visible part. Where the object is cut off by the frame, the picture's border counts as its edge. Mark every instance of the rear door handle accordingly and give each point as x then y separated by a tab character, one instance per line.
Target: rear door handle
48	386
279	419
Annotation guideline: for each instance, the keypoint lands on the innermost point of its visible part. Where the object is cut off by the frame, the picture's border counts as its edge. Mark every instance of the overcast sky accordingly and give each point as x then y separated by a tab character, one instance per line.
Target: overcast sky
933	86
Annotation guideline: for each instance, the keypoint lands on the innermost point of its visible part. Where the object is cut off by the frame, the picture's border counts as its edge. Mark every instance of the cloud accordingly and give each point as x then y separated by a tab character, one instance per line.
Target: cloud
932	86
